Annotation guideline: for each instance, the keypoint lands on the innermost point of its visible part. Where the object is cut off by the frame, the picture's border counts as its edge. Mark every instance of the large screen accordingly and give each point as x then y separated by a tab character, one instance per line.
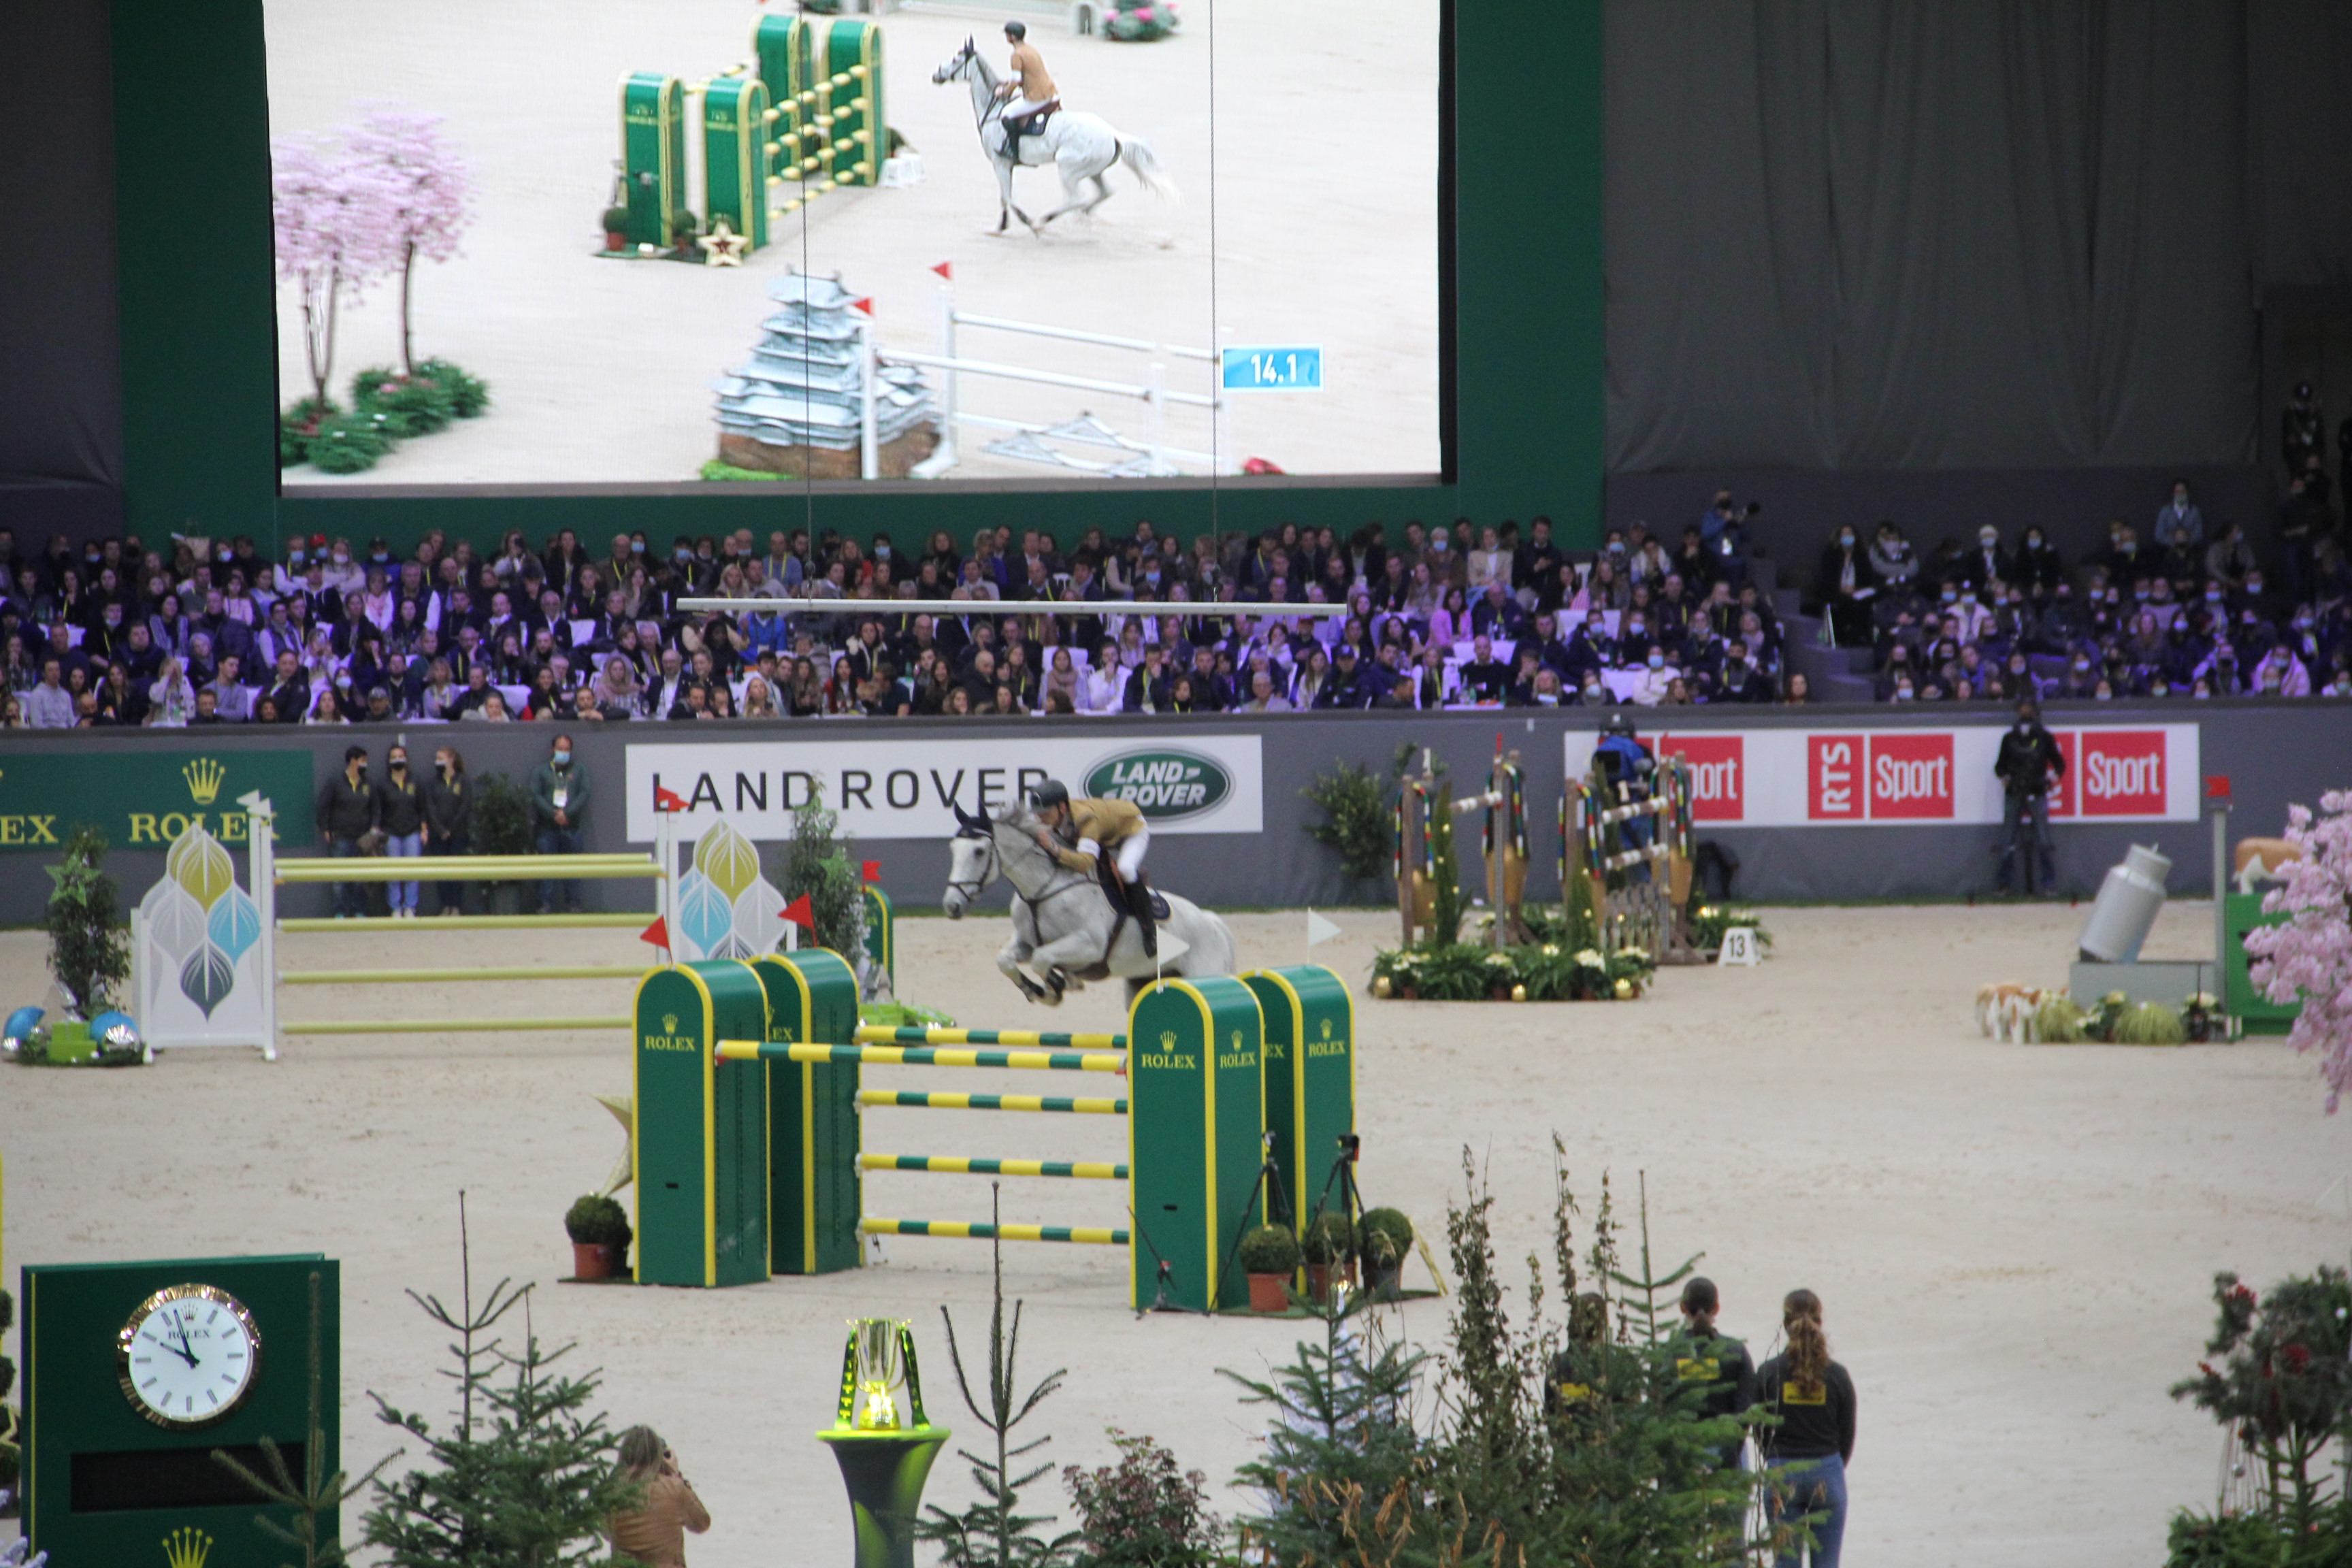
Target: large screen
621	241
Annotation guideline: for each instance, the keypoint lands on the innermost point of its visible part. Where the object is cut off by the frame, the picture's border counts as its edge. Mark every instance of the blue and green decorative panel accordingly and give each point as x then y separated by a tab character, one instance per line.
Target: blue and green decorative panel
199	973
726	908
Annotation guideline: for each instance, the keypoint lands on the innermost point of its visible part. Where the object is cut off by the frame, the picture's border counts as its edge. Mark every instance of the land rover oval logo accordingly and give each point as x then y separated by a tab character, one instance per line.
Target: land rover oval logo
1165	785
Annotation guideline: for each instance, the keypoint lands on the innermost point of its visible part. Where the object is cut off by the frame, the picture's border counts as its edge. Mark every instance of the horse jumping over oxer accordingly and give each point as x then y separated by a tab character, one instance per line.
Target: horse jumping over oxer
1083	146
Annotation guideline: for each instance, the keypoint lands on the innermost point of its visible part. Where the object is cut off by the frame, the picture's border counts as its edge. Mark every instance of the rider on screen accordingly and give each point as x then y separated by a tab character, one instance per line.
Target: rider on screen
1031	89
1115	827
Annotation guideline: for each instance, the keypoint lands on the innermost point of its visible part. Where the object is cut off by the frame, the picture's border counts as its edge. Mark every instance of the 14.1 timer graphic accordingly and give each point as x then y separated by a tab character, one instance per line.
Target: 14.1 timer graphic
1286	367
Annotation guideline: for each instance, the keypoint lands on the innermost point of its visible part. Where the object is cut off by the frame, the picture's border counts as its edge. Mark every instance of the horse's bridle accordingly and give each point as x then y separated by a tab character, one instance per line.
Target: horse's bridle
972	886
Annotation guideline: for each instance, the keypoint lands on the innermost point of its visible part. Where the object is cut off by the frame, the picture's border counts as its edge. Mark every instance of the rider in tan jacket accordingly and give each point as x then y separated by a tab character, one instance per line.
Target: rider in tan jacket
1116	827
1028	86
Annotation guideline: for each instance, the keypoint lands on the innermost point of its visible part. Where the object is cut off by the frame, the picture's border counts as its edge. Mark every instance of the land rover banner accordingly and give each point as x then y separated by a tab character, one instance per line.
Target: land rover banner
909	789
143	800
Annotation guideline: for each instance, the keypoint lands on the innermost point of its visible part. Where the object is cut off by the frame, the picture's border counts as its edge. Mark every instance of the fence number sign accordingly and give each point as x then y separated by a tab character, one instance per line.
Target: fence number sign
1286	368
1739	947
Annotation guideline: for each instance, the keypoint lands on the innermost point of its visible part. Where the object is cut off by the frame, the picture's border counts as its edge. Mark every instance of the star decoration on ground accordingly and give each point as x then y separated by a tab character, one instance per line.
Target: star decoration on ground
624	1108
722	246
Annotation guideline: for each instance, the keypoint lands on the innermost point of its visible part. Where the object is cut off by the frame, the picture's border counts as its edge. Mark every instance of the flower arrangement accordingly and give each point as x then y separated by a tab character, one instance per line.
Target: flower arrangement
1709	921
2117	1020
1537	972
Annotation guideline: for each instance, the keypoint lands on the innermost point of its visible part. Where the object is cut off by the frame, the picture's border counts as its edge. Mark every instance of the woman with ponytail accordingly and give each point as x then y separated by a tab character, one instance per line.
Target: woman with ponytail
1807	1451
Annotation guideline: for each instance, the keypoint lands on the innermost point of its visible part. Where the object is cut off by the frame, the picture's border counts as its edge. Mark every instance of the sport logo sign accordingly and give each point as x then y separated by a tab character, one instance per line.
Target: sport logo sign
1911	777
1718	766
2123	772
1166	784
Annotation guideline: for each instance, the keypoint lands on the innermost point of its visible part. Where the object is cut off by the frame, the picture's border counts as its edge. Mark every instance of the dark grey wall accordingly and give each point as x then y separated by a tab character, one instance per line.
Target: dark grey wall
2275	754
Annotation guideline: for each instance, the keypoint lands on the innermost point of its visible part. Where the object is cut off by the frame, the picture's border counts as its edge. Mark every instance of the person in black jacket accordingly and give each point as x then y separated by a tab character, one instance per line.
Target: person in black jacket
1845	583
400	813
2028	763
1705	1356
348	812
1808	1452
448	821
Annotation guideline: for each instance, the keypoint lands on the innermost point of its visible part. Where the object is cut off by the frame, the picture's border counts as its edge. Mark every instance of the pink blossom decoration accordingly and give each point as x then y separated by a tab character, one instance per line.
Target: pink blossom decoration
2310	957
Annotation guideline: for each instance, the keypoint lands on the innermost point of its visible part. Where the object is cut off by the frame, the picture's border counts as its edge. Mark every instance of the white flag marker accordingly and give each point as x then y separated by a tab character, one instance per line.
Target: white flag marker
1319	930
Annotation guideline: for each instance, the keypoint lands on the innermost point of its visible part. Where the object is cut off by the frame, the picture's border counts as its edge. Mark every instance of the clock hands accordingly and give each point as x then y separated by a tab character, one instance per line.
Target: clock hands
186	1352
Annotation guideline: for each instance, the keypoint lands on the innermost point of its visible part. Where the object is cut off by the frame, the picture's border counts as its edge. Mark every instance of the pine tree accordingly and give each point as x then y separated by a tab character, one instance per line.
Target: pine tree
1340	1445
818	864
525	1477
993	1532
316	1493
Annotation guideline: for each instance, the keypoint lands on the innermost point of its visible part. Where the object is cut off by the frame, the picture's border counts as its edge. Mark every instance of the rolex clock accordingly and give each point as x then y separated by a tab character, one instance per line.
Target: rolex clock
138	1377
188	1356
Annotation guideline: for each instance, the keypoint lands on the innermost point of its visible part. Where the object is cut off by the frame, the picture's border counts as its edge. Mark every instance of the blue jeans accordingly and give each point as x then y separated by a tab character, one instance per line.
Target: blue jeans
559	841
2025	824
1813	1493
403	846
351	897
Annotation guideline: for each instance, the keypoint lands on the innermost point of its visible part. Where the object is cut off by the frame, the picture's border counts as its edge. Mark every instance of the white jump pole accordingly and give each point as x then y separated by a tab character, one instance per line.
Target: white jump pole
261	865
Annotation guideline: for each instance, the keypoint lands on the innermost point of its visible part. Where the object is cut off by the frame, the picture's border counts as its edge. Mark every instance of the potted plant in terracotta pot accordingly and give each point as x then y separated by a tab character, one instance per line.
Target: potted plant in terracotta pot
617	225
1269	1257
1325	1248
1383	1237
599	1228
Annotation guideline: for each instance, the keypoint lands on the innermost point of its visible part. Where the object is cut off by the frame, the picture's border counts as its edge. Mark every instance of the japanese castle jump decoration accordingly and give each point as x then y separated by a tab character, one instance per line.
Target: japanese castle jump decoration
797	405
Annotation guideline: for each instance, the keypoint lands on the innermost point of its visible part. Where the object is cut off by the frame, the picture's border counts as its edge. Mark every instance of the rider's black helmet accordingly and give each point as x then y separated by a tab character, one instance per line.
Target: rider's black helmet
1016	31
1052	792
1618	722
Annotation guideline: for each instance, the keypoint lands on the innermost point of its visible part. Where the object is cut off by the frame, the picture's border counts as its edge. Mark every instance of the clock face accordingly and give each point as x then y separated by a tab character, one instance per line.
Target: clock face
188	1356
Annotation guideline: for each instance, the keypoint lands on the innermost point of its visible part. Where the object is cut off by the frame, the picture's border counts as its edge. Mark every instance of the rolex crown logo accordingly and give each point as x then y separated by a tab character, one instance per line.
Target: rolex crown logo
1326	1027
187	1547
1168	1039
204	776
669	1023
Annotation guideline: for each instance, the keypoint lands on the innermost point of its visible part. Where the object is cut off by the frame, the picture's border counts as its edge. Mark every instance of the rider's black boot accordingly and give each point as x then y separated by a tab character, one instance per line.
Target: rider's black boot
1139	906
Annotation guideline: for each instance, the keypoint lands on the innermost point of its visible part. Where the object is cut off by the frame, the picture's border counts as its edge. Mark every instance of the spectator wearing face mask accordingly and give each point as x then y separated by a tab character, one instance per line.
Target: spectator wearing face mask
1654	678
559	809
2280	674
400	814
348	812
1844	585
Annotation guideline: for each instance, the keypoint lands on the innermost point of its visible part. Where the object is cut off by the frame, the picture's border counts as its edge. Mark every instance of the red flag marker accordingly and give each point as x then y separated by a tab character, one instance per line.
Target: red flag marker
866	305
799	914
667	799
657	934
945	269
870	869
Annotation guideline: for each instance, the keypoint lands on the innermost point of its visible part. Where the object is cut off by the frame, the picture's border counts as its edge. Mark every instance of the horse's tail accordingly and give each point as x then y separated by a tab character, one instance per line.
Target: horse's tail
1137	155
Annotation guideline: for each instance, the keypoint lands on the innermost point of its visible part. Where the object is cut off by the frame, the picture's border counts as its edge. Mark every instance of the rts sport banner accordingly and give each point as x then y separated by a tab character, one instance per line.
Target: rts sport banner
909	789
1798	778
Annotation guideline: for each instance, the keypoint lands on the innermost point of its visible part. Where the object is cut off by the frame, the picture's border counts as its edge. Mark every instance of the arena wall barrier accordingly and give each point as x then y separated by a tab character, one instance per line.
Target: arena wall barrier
1198	1055
2276	754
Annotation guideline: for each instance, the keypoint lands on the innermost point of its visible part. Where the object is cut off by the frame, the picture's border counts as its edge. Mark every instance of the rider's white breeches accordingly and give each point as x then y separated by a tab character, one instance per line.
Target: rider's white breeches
1021	105
1129	859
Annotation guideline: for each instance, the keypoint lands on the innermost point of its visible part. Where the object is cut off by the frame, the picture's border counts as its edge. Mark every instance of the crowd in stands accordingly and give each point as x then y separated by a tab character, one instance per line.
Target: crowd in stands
2185	609
204	632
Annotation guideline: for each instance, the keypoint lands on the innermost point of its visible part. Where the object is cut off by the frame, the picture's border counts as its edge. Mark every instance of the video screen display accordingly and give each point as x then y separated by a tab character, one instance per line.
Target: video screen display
622	241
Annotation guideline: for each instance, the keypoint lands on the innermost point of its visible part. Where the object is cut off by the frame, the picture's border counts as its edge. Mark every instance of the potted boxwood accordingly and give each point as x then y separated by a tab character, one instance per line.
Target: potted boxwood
1325	1248
599	1228
1269	1257
616	227
1383	1237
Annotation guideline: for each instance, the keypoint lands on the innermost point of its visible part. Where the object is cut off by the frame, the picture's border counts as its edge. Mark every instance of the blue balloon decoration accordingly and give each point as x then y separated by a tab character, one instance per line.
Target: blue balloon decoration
114	1028
21	1022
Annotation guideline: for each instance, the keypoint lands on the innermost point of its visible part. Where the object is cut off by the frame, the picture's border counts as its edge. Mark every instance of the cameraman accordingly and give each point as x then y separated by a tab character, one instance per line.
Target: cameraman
654	1532
2028	764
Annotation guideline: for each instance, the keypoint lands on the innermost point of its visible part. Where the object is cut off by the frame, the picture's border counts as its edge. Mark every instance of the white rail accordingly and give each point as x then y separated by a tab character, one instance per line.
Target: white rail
1073	607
